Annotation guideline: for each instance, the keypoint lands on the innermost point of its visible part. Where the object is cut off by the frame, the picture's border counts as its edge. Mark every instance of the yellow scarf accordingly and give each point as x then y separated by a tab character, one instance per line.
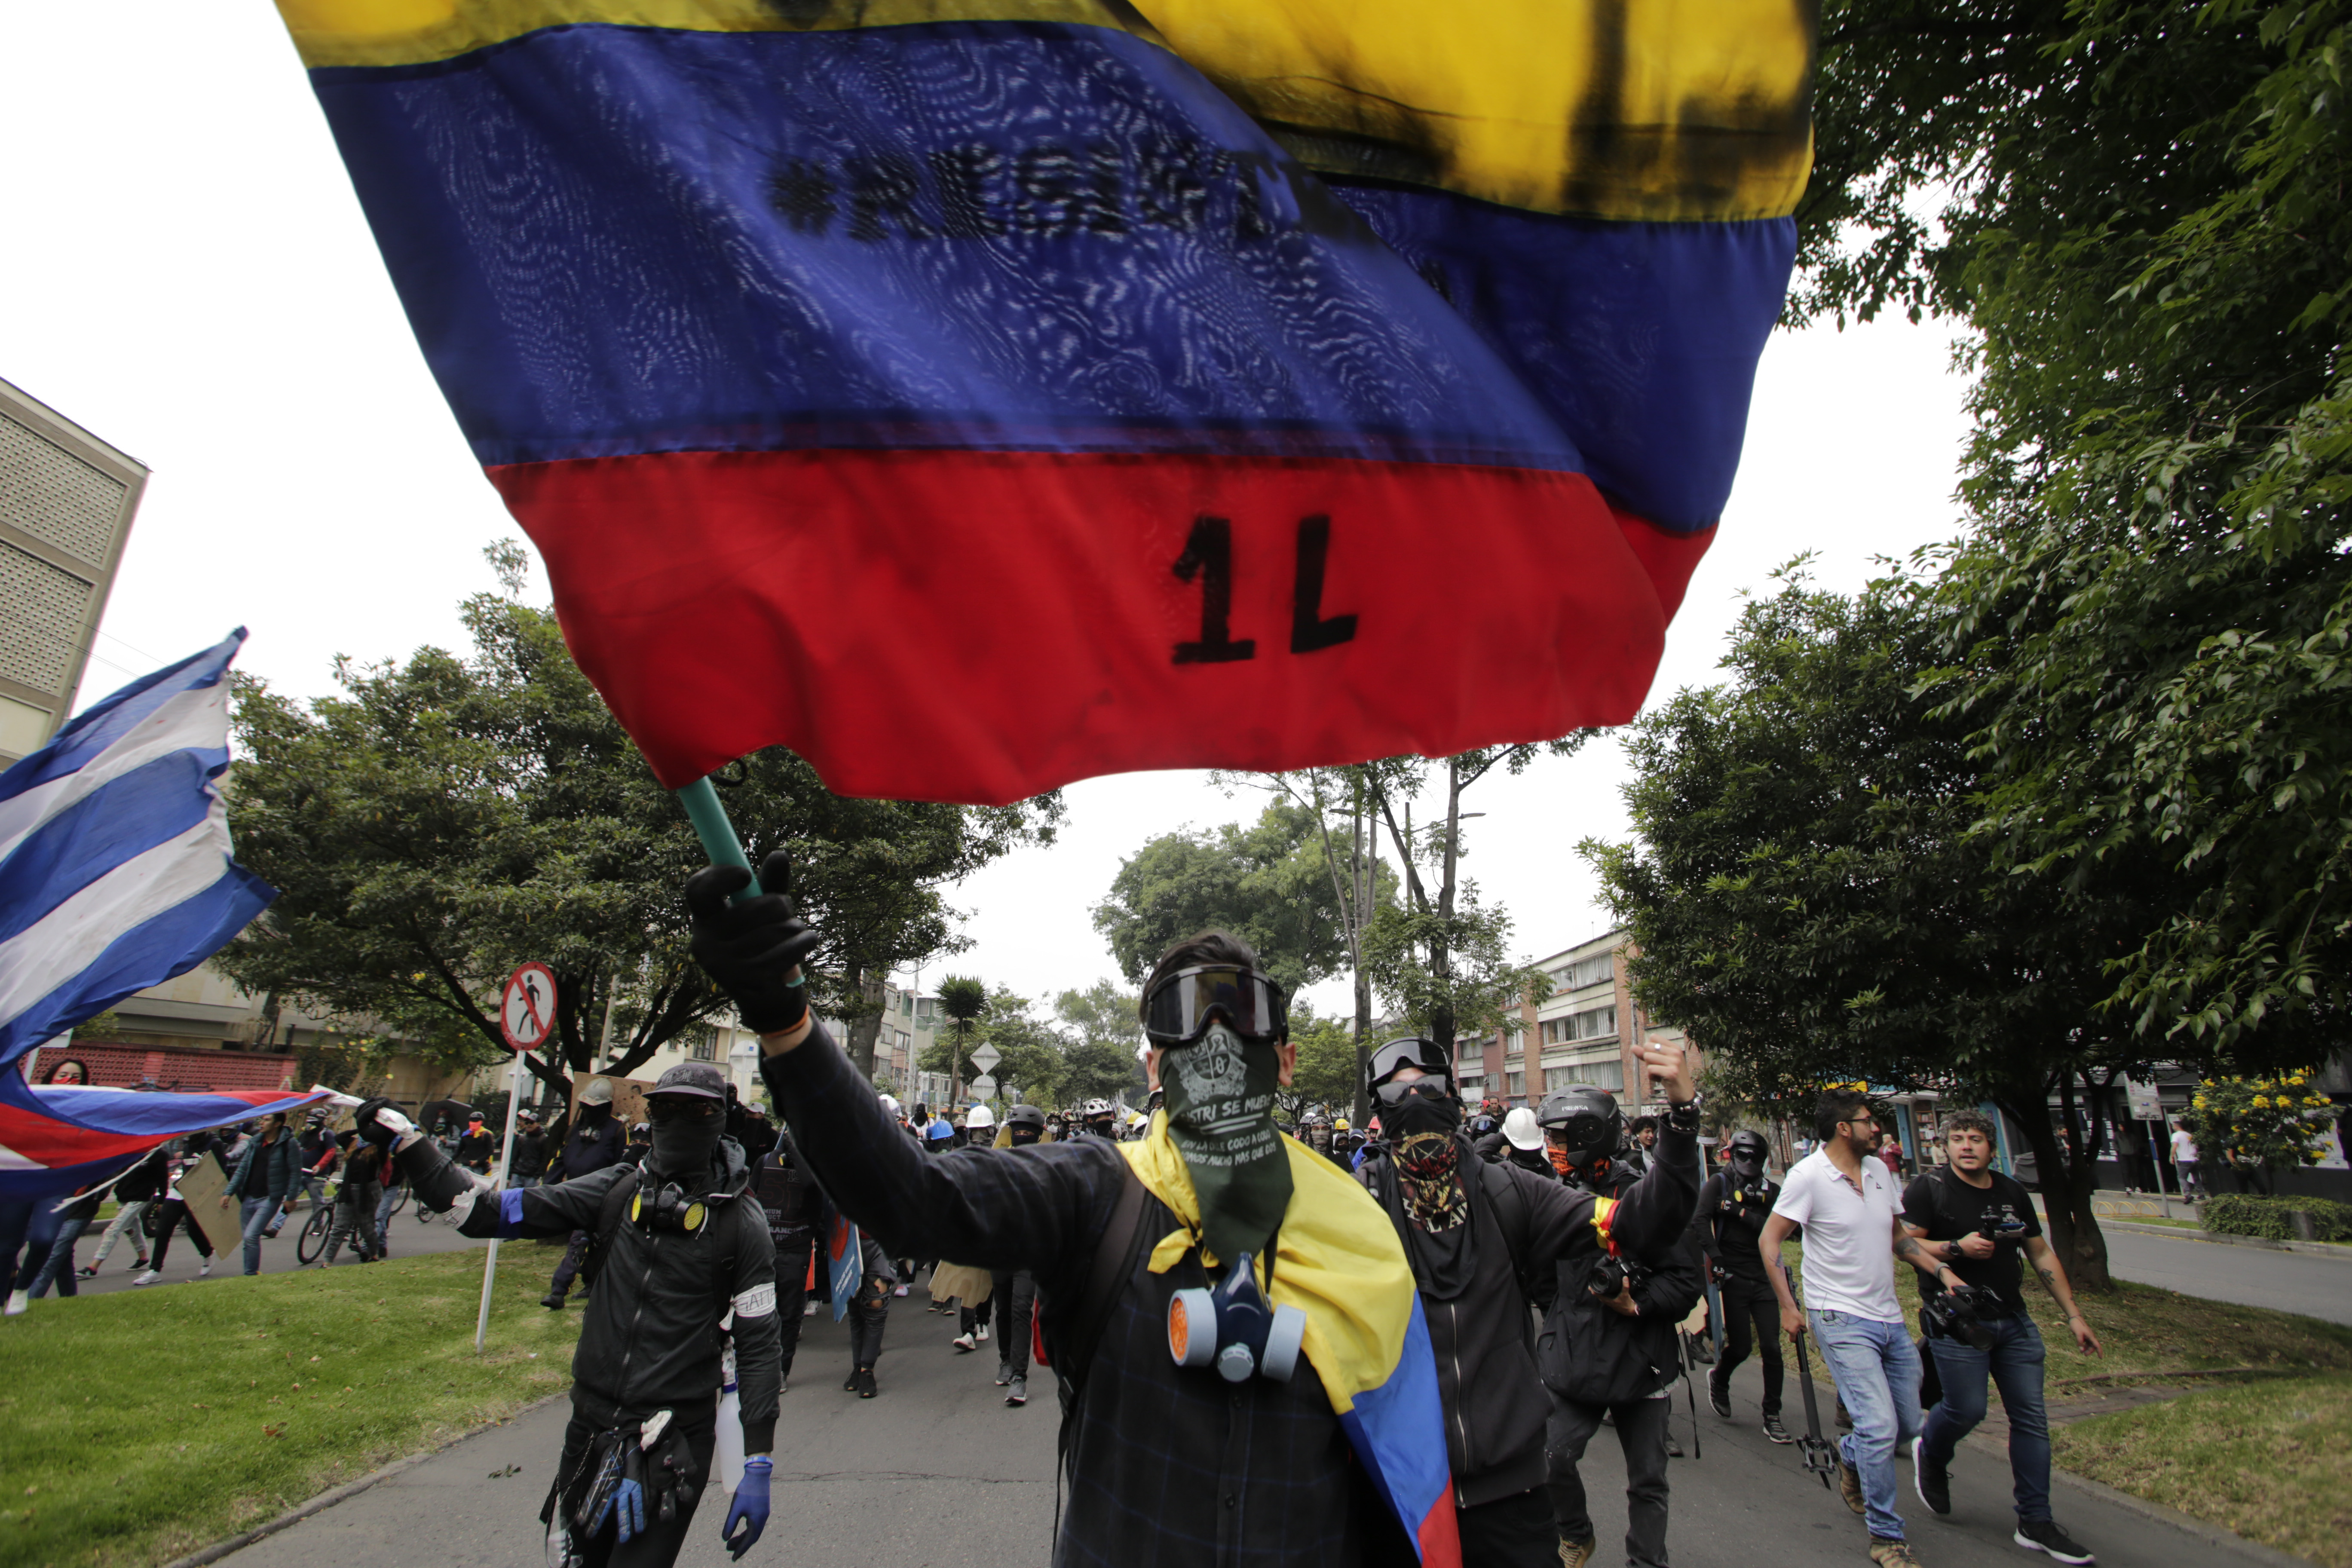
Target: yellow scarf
1337	1258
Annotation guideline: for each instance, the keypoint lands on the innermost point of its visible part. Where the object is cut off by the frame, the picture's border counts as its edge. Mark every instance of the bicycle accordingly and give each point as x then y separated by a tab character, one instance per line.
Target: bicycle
313	1239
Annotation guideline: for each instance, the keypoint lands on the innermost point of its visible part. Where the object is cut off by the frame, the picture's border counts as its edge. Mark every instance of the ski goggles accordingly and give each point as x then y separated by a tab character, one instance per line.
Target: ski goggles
1179	1010
1429	1086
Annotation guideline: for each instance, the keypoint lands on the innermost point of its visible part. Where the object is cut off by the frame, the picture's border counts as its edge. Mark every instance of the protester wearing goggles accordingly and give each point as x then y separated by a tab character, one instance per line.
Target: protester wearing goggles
1487	1239
1272	1475
1733	1207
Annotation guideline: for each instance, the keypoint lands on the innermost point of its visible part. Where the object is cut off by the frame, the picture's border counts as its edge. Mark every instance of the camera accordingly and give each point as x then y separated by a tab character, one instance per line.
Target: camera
1612	1274
1952	1315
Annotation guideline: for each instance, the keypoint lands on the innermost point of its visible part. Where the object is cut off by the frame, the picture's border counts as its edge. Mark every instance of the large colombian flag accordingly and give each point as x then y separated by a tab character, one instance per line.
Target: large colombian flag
975	396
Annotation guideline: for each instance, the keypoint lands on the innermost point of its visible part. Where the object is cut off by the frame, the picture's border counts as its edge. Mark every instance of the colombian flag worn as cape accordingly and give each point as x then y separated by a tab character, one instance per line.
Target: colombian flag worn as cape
977	395
1337	1259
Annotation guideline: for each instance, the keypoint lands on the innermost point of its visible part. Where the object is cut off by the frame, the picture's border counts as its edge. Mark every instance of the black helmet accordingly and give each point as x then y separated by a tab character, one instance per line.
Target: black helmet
1749	1149
1583	1121
1025	1116
1413	1051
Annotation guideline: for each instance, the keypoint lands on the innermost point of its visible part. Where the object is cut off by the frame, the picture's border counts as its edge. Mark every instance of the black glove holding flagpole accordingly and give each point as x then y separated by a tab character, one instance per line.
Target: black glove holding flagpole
752	948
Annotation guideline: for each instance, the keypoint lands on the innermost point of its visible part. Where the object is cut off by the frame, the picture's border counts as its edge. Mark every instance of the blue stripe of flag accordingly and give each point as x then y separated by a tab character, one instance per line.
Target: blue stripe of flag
116	822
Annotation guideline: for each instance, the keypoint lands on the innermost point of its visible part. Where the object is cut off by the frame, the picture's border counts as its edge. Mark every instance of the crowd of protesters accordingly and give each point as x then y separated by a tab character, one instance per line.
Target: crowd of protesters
1572	1265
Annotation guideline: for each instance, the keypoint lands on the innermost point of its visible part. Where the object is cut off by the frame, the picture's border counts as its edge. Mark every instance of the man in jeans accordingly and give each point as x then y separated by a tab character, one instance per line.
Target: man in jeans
1846	1202
1978	1221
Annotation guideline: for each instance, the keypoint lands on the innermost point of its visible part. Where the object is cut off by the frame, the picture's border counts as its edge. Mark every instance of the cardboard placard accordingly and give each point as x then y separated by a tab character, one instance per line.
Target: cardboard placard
202	1184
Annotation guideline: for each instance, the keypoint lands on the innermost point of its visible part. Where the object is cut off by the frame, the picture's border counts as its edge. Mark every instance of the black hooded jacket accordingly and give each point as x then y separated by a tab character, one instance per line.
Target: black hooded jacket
1525	1230
650	1340
1589	1352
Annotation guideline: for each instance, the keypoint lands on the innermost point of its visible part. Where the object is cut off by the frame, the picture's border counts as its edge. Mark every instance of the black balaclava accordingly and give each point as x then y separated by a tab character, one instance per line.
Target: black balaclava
1022	1135
1220	1102
682	1145
1423	1131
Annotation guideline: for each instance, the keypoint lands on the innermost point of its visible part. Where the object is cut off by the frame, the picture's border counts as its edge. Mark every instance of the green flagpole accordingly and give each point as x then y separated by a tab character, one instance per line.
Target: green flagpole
718	834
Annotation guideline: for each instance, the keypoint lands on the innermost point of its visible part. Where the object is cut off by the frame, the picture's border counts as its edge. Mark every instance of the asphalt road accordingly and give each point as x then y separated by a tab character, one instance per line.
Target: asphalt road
938	1473
409	1237
2248	1276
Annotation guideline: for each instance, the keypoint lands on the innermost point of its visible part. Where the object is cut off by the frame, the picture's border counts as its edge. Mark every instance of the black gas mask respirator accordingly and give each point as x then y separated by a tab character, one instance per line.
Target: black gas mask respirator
1234	1329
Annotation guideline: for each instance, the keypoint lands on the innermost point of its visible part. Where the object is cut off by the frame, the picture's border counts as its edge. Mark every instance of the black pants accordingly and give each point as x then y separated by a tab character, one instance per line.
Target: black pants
171	1217
658	1545
1752	1325
1641	1432
869	1310
1016	1297
970	1318
1509	1532
569	1270
792	1254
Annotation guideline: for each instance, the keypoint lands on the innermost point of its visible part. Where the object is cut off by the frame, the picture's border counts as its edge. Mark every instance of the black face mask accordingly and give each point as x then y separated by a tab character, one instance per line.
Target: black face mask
1417	1115
1023	1136
682	1145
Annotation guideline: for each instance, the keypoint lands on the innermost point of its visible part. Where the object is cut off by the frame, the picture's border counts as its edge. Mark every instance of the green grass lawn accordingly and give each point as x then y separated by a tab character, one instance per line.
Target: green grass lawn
2263	1453
140	1425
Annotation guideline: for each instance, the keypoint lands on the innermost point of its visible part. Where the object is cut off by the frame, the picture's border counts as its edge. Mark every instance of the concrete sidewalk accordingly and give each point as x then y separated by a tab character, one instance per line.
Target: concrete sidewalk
938	1473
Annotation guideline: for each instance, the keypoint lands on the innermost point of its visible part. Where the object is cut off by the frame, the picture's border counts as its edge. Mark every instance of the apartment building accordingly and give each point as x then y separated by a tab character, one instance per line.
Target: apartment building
1583	1030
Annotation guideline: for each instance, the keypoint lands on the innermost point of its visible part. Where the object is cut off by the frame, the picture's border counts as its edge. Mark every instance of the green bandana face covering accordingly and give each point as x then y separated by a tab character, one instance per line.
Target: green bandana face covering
1220	1117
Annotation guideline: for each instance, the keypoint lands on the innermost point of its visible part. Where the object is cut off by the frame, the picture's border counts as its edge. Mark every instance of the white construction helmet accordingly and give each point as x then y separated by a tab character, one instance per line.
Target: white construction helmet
1520	1127
981	1119
891	1105
598	1092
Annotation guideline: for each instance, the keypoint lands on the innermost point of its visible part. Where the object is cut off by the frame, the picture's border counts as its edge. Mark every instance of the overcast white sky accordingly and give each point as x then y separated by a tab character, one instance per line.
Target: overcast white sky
188	275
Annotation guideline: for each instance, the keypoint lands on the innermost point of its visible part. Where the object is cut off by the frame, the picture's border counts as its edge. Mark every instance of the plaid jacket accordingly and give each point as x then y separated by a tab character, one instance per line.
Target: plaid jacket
1166	1467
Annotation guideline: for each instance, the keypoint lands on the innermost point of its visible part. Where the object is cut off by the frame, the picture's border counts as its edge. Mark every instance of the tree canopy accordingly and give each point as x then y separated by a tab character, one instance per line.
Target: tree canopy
443	819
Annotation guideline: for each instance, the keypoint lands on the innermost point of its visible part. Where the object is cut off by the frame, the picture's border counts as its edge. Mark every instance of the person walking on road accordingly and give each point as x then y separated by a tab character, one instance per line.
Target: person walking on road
262	1186
355	1202
140	1189
2184	1161
1843	1197
1733	1207
173	1213
55	1267
592	1145
1015	1291
1484	1239
680	1261
477	1146
1978	1221
1193	1467
529	1161
790	1201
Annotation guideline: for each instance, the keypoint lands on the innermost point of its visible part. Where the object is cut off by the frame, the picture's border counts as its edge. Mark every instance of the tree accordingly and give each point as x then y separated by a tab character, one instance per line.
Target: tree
1267	884
1100	1035
440	821
1809	903
2258	1126
962	1002
1326	1073
1460	976
2148	622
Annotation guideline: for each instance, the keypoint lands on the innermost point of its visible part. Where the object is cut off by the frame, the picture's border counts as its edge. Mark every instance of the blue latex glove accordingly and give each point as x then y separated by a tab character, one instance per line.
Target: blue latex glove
629	1504
751	1508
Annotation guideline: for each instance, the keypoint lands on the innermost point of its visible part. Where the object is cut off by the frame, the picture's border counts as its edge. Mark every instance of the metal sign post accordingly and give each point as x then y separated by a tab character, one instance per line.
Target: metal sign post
2147	1107
526	1014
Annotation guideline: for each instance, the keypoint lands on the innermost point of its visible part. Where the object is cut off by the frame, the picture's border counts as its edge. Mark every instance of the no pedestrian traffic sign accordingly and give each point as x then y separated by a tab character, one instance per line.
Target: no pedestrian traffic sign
527	1012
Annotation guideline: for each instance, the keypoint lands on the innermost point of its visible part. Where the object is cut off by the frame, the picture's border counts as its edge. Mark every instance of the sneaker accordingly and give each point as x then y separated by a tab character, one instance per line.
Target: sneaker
964	1343
86	1272
1577	1553
1932	1483
17	1301
1717	1396
783	1385
1017	1393
1774	1430
1850	1486
2044	1535
139	1265
1003	1373
901	1290
982	1334
553	1300
866	1388
203	1269
849	1383
147	1278
1674	1446
1889	1553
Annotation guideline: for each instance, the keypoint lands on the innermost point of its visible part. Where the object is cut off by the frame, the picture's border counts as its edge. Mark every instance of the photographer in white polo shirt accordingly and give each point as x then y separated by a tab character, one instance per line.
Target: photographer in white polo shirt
1853	1220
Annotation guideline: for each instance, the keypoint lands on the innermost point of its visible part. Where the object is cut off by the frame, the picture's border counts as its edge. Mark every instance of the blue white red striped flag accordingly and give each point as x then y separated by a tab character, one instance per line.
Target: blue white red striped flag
59	1140
115	871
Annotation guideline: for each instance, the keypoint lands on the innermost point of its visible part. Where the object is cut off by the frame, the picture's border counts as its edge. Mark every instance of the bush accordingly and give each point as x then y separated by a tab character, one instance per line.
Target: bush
2238	1213
2258	1126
